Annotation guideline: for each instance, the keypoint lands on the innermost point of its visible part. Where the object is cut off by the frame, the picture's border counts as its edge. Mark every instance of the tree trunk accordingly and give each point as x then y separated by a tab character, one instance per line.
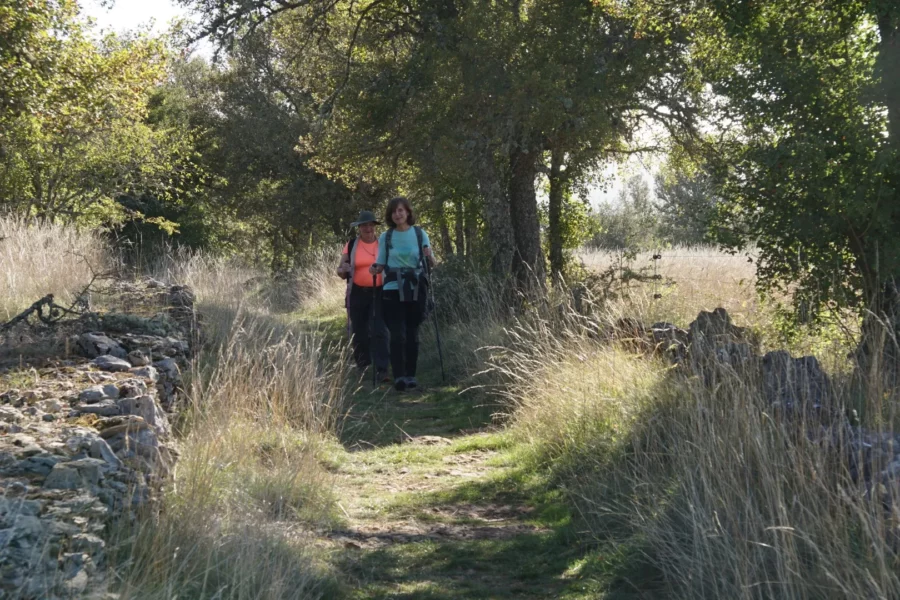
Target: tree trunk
888	66
497	216
446	246
471	231
528	260
557	188
459	228
277	264
878	354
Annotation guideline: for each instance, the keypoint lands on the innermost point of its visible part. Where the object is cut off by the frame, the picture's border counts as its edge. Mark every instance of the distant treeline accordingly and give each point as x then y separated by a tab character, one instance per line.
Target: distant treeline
781	129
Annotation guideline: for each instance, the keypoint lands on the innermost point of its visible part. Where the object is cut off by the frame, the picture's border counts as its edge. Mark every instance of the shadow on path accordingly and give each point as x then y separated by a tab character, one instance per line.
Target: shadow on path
478	534
383	416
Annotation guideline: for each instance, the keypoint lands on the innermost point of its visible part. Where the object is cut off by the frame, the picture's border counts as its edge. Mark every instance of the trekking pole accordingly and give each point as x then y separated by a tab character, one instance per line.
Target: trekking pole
437	332
374	334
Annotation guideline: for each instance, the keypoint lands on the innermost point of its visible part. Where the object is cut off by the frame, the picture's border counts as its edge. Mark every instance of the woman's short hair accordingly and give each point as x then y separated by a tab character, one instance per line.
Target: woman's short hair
392	206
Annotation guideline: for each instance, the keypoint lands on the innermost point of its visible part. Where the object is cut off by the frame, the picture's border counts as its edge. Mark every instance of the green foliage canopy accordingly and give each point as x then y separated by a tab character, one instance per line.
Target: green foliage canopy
806	167
464	96
71	149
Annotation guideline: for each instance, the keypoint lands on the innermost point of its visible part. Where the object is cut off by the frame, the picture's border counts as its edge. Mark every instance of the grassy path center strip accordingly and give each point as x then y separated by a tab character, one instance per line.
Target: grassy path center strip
435	504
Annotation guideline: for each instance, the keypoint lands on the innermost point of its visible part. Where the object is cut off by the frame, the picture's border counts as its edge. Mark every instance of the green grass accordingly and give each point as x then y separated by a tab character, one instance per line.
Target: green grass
440	500
526	566
529	540
538	548
381	417
22	378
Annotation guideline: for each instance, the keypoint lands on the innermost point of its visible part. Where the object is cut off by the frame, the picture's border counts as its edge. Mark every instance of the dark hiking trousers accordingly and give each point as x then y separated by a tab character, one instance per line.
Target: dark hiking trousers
403	320
368	335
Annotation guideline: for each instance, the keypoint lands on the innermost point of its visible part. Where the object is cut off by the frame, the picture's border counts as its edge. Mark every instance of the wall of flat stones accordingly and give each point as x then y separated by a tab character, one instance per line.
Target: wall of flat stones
87	442
795	391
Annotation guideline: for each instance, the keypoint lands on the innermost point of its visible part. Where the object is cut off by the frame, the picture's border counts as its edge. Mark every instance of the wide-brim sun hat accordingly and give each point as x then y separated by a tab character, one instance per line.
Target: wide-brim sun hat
365	216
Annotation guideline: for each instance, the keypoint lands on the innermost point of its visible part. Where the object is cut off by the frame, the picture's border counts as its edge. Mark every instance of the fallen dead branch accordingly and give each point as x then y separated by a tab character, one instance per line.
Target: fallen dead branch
46	310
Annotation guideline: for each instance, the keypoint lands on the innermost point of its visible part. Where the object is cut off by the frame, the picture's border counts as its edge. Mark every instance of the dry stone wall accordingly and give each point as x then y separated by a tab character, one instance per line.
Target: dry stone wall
795	391
86	440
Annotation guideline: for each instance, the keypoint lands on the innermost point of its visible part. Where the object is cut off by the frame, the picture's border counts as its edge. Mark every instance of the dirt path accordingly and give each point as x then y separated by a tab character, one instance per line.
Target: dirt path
436	503
435	506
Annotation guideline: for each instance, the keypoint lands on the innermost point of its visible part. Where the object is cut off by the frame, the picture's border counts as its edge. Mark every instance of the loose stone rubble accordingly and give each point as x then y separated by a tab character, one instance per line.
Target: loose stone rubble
88	441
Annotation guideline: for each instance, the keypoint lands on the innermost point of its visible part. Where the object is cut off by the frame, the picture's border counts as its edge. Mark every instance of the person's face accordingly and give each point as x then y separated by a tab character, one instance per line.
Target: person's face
367	231
400	215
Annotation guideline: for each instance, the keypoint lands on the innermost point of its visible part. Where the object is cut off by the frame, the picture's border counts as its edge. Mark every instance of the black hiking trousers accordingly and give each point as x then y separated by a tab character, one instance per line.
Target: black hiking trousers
403	320
368	335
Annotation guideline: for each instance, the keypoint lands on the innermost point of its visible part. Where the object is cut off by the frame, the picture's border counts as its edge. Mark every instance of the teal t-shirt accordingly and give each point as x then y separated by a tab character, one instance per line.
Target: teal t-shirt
404	252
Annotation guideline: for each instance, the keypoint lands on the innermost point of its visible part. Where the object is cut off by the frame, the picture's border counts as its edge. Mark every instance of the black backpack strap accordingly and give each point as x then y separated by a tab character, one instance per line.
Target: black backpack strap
350	246
419	240
388	235
424	274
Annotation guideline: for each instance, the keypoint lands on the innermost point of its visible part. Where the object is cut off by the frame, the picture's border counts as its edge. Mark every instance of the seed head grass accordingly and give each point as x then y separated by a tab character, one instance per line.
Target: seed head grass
37	259
682	490
708	490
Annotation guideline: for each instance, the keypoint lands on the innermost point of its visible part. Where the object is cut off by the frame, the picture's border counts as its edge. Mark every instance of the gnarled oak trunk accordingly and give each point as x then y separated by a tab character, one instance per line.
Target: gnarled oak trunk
496	215
528	260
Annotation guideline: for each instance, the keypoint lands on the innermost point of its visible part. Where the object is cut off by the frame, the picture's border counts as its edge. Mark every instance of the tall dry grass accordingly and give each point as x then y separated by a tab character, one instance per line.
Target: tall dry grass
265	400
37	259
713	494
316	288
734	503
691	279
721	499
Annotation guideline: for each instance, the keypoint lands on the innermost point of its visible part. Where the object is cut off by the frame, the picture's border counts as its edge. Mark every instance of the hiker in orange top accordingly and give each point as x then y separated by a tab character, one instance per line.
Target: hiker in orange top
367	328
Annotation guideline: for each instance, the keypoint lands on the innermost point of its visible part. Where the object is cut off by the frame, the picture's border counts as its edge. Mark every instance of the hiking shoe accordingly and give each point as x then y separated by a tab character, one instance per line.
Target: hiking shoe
411	383
382	376
400	384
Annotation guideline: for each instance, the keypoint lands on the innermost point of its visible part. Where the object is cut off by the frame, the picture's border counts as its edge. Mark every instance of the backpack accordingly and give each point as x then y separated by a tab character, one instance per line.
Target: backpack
351	245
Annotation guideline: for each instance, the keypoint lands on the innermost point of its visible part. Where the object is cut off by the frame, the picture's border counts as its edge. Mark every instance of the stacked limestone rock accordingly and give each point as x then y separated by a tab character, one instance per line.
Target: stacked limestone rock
713	347
88	441
794	390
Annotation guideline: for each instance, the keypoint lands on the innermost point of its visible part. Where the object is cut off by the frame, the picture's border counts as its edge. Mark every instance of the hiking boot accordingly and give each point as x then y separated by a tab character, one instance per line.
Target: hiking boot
381	376
411	383
400	384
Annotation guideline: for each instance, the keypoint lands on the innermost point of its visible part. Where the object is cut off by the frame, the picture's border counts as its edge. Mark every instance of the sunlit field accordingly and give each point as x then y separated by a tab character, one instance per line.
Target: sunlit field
690	279
686	280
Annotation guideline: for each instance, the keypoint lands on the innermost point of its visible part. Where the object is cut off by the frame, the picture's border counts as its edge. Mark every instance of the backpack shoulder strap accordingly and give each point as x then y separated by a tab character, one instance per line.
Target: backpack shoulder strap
388	235
420	240
351	250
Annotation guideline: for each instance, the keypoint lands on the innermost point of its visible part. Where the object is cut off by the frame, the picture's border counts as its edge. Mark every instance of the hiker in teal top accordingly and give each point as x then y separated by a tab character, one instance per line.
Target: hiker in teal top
402	252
